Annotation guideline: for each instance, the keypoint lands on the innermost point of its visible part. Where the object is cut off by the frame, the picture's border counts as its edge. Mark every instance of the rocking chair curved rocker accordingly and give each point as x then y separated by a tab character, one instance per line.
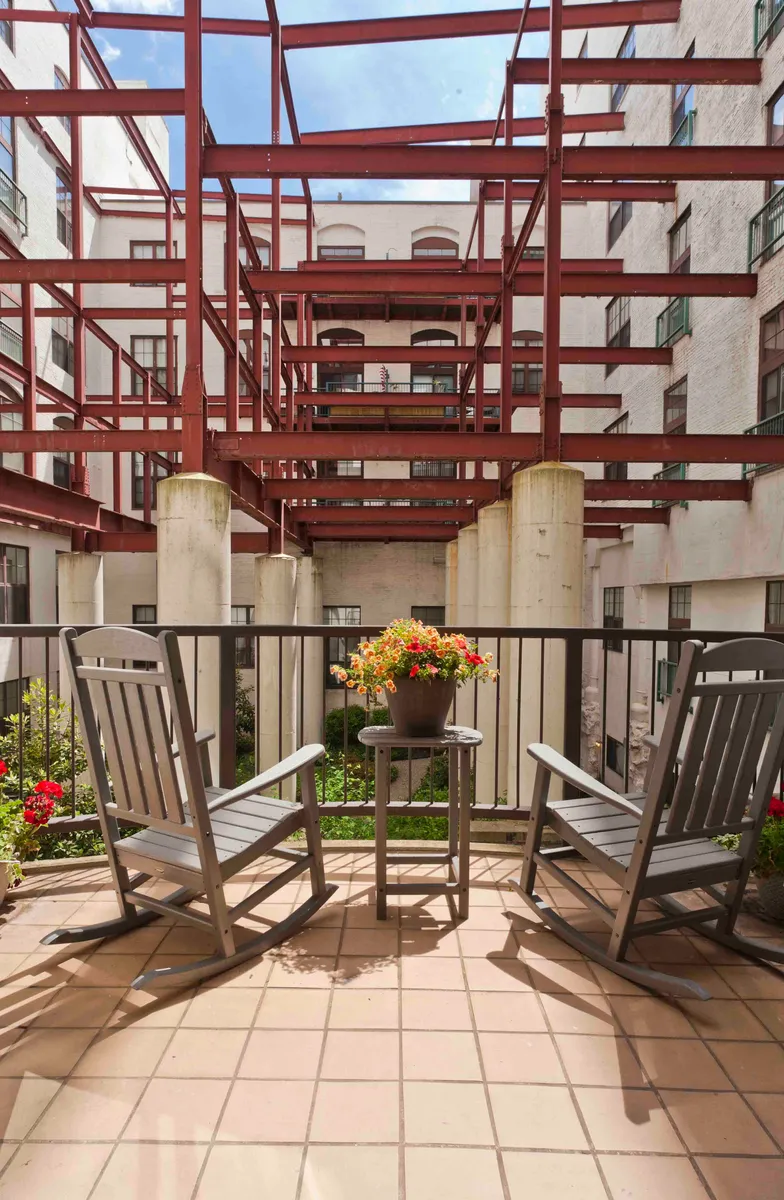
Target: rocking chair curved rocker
192	834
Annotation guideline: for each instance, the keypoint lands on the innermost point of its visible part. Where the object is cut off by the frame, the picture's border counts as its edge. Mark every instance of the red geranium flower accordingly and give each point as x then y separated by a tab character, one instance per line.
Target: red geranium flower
3	767
47	787
39	809
776	807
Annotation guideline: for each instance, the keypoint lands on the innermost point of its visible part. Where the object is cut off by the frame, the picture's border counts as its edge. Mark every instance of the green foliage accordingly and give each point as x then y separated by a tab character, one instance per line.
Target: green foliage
245	720
356	718
359	786
770	848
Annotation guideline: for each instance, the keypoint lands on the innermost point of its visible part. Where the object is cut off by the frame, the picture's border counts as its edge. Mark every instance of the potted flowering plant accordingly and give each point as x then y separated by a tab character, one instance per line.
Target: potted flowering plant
769	862
419	669
19	825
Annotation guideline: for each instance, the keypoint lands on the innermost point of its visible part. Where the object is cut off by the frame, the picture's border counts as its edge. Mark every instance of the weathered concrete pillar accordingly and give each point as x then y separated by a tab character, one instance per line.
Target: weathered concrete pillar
310	612
465	614
492	608
194	582
79	598
450	590
546	591
276	706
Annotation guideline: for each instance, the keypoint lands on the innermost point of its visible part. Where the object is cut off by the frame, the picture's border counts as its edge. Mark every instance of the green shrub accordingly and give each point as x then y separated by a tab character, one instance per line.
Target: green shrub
353	718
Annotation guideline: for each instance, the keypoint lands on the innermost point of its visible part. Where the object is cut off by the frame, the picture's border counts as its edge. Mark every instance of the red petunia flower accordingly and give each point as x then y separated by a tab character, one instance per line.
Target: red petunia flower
3	767
414	670
776	807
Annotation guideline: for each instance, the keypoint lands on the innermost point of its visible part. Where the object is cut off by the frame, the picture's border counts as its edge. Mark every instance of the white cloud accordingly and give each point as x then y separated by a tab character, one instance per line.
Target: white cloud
109	53
143	6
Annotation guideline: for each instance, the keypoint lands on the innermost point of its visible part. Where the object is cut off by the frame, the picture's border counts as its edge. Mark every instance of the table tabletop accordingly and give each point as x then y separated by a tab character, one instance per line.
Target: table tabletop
454	737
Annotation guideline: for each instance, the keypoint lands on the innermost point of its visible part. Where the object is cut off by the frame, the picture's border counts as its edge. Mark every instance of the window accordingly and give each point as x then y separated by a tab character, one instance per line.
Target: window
339	469
144	614
12	690
774	606
14	585
429	614
150	353
619	216
337	376
10	421
617	470
433	377
775	138
433	469
62	343
340	648
245	647
246	349
7	35
64	208
675	400
147	251
61	459
682	107
628	50
678	617
613	616
527	377
8	150
583	54
680	245
61	84
435	247
618	327
262	249
615	756
157	472
772	364
329	252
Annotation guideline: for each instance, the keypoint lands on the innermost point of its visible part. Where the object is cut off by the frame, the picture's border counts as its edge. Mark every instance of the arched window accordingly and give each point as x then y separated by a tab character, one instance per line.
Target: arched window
262	249
433	337
435	247
527	377
341	337
435	376
246	345
337	376
341	242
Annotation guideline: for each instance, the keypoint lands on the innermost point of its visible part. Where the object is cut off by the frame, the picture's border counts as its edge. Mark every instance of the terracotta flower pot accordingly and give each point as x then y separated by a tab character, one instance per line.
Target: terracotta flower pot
770	893
419	707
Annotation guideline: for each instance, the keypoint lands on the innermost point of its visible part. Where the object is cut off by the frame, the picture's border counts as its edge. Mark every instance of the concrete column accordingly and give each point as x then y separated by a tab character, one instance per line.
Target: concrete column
310	612
276	705
546	590
465	610
194	582
492	608
79	598
450	590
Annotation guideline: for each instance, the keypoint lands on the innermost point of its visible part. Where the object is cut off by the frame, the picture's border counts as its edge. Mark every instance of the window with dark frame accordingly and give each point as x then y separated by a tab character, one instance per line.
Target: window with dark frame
14	585
343	468
527	377
8	149
245	647
774	606
7	29
682	99
678	617
617	470
340	376
434	376
435	247
340	649
63	343
675	405
10	422
619	214
680	245
776	133
148	252
628	50
150	353
64	208
615	756
263	250
771	369
618	327
61	84
327	252
613	616
433	469
157	472
144	614
429	614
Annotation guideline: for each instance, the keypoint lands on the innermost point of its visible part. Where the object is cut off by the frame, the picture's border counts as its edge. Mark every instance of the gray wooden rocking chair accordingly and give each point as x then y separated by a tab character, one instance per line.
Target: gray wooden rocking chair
194	835
732	757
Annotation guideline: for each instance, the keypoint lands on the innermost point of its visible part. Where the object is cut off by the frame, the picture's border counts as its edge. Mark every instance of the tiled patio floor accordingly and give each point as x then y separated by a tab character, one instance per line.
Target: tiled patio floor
418	1060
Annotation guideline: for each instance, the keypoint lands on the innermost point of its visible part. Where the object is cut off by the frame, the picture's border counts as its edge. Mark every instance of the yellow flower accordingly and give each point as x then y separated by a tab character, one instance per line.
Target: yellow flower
379	689
391	687
361	689
351	683
342	676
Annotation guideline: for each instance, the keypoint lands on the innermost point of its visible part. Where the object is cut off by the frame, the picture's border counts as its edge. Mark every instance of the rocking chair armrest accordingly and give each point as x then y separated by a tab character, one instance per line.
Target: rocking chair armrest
201	738
554	762
306	756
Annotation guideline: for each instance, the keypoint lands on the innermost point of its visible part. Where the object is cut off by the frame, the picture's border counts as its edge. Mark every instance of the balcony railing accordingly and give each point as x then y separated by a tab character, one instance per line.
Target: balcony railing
768	22
771	425
766	228
673	323
684	134
13	201
10	342
673	471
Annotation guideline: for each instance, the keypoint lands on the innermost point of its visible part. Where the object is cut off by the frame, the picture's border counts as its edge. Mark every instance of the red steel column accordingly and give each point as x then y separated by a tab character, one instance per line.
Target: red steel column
117	496
275	335
193	405
171	357
232	311
29	360
479	372
550	400
80	480
507	283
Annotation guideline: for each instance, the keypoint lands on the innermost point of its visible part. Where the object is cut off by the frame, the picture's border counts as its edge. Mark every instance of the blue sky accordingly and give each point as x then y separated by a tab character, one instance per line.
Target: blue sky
341	87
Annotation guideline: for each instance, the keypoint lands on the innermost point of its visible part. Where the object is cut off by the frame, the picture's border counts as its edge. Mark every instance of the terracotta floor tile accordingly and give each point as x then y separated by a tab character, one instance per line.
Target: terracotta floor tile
21	1103
139	941
22	1008
356	1112
430	943
281	1054
362	915
124	1053
752	1066
535	1117
339	1172
717	1123
533	1176
51	1053
227	1008
138	1172
599	1061
110	970
436	1010
80	1008
486	943
457	1172
627	1119
90	1108
366	1054
717	1020
573	977
436	974
520	1058
178	1110
160	1009
192	1055
359	972
731	1178
263	1111
651	1177
771	1014
580	1014
769	1111
508	1010
49	913
452	1113
373	1009
754	983
489	918
652	1016
667	948
440	1055
314	940
251	974
251	1173
373	943
497	975
681	1063
286	1008
536	942
37	1167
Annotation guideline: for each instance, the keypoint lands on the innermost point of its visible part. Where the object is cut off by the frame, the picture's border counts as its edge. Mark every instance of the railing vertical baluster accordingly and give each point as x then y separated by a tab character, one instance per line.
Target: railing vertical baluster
46	709
196	682
300	740
345	745
73	760
20	706
627	755
573	706
496	753
257	713
602	774
280	702
227	731
519	705
541	688
653	697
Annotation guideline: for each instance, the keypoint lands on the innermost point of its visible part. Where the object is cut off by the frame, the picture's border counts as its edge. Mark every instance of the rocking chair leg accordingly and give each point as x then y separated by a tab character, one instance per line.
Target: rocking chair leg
318	881
533	835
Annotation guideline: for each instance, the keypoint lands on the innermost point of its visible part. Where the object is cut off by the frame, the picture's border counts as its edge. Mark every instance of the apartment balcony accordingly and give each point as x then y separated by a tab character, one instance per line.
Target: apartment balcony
766	229
13	202
10	342
768	22
673	471
673	323
771	425
684	134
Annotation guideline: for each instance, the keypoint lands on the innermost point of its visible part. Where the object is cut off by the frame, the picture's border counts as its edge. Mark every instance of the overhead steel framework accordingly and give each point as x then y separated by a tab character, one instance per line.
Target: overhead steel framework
271	435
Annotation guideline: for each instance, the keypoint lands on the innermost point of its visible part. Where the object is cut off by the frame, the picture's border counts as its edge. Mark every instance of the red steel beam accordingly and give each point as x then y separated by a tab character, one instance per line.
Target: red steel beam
89	441
147	542
627	516
92	270
644	70
384	400
671	162
602	531
380	489
475	24
163	23
460	131
661	447
637	355
667	489
388	514
92	102
416	267
383	533
660	193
